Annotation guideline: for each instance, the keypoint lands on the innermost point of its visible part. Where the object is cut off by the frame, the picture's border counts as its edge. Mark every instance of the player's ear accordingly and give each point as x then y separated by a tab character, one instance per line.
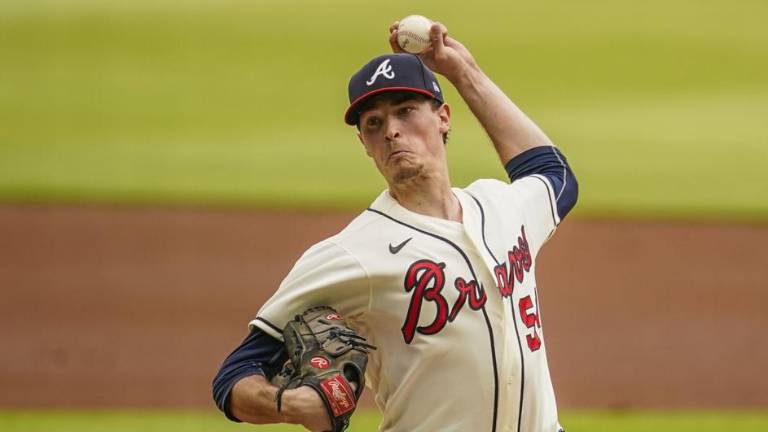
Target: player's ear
444	112
360	137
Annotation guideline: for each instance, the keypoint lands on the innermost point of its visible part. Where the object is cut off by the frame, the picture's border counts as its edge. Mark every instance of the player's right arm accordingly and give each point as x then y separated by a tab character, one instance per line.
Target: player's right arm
510	130
543	182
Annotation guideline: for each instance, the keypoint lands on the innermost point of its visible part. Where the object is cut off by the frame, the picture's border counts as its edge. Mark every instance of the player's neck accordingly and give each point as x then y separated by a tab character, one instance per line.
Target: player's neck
430	197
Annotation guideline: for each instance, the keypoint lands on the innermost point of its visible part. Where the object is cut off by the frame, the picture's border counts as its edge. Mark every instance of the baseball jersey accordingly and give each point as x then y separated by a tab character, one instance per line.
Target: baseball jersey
453	307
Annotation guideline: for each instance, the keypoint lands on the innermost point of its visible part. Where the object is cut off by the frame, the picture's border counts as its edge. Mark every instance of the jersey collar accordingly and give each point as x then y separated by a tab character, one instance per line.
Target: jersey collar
386	204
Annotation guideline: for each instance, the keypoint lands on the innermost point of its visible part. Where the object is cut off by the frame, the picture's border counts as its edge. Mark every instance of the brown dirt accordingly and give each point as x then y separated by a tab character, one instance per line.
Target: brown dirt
137	307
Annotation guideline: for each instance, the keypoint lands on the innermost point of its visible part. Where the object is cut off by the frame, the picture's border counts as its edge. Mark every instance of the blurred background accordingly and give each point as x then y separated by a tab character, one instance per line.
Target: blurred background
163	164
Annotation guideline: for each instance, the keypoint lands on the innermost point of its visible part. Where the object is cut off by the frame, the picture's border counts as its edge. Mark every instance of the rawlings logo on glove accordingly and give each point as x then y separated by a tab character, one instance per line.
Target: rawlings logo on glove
325	354
340	395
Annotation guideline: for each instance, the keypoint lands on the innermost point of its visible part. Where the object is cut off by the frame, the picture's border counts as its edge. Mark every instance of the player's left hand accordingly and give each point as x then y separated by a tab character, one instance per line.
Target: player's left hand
326	357
446	55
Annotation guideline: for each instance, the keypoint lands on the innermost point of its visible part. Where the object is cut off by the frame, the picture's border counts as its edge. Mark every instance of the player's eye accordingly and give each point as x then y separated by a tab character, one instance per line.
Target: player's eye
404	111
372	123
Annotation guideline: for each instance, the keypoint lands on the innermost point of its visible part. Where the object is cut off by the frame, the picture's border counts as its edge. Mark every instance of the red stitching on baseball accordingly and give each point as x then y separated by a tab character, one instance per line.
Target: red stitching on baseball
412	35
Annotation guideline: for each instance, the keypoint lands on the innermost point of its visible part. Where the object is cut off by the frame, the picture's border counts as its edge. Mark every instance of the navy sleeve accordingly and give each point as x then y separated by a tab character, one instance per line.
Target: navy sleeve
259	353
547	161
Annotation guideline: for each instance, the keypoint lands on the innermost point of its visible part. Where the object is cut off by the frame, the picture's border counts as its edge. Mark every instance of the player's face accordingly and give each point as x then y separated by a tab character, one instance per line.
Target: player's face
405	139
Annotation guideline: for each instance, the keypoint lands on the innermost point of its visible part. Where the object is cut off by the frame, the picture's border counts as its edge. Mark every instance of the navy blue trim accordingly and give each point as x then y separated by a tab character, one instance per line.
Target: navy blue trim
485	313
514	317
270	325
259	353
549	162
549	198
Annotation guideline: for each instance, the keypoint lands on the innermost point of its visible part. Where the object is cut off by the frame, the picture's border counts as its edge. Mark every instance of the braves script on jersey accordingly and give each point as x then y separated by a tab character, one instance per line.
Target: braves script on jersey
453	307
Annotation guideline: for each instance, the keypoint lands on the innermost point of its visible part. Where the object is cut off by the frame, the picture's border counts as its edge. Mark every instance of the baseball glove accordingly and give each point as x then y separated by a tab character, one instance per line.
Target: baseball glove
325	354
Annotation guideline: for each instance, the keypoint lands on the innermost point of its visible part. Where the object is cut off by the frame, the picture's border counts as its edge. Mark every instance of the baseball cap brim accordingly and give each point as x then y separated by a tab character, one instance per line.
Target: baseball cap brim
388	73
351	117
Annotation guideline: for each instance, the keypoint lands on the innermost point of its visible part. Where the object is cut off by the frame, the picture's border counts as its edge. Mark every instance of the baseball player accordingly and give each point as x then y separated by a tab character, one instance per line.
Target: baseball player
440	278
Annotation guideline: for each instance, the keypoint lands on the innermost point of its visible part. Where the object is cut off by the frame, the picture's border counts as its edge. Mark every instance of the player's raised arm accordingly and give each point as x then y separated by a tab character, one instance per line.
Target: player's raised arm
510	130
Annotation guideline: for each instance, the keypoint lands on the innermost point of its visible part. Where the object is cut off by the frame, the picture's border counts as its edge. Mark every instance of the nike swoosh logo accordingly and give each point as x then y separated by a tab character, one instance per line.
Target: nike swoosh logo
395	249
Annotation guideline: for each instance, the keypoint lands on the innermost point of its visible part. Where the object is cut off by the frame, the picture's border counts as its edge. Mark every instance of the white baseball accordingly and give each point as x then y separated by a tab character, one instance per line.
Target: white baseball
413	33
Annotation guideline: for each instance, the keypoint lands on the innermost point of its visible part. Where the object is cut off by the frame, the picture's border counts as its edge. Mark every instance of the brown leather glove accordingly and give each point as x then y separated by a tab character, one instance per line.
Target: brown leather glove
325	354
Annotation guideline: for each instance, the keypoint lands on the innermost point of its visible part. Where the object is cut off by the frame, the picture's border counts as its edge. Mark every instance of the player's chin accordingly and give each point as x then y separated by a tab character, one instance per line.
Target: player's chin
406	173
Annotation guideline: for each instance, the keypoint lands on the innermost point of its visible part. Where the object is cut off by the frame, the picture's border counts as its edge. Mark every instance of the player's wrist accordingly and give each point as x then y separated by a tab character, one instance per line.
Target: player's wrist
301	406
290	408
467	78
460	67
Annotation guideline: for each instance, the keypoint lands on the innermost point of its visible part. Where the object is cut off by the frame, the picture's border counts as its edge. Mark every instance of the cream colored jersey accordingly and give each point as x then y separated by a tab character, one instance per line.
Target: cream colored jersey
452	307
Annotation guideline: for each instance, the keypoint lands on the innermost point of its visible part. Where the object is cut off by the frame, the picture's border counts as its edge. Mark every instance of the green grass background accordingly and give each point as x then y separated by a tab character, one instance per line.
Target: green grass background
660	106
366	421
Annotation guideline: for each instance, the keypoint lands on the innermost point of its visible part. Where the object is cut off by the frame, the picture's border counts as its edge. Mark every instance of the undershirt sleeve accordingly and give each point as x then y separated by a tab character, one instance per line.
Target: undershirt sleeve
259	353
549	164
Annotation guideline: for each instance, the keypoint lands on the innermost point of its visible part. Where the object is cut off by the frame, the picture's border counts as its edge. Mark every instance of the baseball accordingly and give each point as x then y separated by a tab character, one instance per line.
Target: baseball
413	33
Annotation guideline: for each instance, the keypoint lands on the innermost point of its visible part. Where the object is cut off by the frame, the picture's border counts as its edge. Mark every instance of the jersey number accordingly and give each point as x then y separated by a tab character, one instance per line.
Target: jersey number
531	320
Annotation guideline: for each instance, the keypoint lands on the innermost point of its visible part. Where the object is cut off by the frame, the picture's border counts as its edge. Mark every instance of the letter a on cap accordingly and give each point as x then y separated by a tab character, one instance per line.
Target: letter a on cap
383	69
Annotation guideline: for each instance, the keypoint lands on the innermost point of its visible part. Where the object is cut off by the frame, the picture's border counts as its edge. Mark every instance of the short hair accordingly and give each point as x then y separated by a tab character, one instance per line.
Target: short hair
395	98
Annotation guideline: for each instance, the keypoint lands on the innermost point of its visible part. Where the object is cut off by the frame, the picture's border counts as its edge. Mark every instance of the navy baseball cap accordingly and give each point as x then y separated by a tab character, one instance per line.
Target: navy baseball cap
390	72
